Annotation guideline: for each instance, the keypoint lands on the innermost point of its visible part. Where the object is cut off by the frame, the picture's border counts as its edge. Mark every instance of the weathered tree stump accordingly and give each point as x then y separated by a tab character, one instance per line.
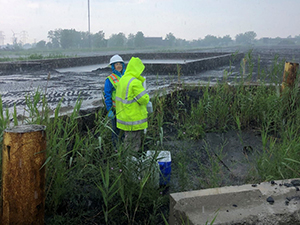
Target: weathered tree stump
23	175
289	75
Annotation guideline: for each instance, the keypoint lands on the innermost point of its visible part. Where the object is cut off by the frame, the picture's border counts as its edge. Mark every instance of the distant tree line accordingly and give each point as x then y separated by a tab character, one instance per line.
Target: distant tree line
70	38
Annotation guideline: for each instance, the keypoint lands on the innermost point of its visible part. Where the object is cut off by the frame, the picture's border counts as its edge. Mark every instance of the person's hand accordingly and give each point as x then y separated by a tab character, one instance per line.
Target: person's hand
111	115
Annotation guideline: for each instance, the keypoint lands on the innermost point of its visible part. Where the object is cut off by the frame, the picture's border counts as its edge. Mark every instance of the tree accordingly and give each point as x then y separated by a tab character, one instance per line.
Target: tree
54	37
226	40
117	40
70	38
240	38
130	40
246	38
196	43
210	40
49	45
297	39
139	40
99	40
41	44
84	40
251	35
170	39
181	42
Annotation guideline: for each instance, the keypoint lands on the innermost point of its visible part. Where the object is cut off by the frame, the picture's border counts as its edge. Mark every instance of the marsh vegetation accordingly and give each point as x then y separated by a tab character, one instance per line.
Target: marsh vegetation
90	182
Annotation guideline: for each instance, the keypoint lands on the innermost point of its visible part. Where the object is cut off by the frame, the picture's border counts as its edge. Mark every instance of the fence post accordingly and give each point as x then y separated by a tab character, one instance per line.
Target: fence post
23	177
289	75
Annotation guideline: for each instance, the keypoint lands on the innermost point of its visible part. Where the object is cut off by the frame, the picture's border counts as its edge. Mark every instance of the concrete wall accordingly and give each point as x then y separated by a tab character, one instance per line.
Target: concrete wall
205	60
209	62
267	203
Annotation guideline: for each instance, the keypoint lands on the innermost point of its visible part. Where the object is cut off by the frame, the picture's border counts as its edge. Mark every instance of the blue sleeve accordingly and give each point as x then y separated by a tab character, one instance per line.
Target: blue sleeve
108	89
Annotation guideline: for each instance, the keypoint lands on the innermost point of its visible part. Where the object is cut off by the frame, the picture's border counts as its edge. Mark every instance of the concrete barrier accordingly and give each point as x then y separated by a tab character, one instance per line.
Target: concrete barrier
200	62
276	202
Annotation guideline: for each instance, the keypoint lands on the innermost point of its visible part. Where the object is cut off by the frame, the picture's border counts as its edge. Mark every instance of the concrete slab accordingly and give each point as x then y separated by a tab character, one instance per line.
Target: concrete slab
276	202
103	66
81	69
160	63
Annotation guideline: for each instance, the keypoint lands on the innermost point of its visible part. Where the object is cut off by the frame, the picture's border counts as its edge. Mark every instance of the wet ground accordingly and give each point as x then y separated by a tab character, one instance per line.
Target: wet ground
67	84
228	158
232	152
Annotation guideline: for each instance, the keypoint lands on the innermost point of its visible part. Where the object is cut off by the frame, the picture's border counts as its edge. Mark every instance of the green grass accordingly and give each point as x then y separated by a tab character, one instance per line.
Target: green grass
89	182
34	56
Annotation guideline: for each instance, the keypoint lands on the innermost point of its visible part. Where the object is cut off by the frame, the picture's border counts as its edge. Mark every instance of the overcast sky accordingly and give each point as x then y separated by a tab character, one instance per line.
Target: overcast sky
186	19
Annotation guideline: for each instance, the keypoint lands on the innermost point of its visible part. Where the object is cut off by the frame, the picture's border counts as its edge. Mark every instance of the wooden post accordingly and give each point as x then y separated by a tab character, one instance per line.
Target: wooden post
23	178
244	66
289	75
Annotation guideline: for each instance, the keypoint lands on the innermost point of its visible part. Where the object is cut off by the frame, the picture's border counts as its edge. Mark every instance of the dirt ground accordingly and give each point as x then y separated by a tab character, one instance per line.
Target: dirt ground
231	156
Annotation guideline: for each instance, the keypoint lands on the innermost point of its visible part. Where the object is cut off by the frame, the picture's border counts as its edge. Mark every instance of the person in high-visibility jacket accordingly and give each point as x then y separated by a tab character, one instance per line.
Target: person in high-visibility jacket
131	104
118	68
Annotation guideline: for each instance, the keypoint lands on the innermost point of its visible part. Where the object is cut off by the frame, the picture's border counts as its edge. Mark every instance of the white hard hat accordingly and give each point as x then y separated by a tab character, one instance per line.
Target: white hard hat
115	59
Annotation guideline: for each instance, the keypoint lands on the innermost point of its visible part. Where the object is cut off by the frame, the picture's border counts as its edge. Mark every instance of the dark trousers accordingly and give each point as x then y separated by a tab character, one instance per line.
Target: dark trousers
115	133
133	140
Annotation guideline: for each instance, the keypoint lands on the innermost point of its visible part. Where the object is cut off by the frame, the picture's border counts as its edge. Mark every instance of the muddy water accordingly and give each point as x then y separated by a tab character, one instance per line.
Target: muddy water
68	84
89	86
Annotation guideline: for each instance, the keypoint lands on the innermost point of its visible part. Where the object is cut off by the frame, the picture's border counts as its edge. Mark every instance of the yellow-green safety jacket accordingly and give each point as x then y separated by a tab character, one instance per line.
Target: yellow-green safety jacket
132	98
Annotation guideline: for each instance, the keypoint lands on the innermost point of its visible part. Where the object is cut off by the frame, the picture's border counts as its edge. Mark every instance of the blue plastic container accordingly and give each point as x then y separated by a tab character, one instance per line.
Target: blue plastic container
164	162
165	176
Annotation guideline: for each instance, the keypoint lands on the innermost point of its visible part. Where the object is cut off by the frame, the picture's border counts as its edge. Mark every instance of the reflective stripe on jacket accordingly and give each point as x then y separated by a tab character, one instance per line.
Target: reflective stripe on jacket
132	98
114	80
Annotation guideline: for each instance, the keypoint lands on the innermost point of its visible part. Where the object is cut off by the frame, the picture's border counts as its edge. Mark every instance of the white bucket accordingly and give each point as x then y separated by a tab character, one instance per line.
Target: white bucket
164	162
